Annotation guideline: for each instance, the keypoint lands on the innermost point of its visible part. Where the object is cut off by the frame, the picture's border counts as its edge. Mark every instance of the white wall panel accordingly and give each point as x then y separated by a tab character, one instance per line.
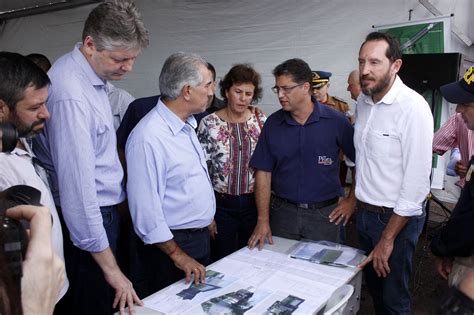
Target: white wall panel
327	34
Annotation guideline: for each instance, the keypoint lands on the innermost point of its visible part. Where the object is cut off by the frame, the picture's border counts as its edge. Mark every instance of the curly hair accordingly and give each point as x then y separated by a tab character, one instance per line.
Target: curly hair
242	73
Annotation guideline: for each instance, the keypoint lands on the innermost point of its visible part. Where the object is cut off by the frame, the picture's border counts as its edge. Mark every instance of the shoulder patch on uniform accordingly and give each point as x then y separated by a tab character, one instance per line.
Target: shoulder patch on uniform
340	99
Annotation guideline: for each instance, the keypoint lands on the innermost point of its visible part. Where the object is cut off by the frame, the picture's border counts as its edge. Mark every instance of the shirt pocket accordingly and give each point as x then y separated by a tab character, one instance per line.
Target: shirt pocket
382	144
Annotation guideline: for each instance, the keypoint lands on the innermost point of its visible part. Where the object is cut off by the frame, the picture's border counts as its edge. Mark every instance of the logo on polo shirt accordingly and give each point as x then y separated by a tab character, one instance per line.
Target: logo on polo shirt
324	160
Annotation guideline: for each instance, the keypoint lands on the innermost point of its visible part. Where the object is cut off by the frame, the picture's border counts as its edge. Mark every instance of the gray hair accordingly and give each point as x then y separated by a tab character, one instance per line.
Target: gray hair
180	69
116	24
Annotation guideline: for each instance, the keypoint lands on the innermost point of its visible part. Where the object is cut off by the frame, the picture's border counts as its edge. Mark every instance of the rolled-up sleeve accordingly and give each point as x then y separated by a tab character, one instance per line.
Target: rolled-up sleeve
145	187
72	151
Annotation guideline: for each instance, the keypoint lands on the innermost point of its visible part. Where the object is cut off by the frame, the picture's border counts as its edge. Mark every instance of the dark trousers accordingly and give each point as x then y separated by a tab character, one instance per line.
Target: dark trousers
152	270
390	295
289	221
236	217
89	292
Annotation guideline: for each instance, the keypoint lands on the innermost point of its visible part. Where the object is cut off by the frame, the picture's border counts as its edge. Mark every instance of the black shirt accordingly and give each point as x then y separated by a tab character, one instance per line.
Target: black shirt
456	238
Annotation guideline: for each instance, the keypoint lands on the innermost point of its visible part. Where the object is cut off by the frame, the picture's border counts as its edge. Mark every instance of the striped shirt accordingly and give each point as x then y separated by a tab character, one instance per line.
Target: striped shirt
454	133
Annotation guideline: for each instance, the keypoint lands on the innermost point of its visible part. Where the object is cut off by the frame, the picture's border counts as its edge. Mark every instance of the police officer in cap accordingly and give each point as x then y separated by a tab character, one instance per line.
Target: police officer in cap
320	91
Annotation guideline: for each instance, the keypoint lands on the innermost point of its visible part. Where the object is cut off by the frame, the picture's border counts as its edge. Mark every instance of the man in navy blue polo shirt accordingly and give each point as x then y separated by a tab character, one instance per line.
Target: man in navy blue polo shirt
296	159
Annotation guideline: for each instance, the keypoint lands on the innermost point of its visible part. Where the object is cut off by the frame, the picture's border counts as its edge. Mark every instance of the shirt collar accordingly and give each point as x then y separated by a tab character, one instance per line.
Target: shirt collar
81	60
319	111
21	152
391	95
388	98
172	120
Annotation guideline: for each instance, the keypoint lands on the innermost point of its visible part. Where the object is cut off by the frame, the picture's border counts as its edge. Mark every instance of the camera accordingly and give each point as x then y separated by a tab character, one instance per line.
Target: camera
8	137
13	237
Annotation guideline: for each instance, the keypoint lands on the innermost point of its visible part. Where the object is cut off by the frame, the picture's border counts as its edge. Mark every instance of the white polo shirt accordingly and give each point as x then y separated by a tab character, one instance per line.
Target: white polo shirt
393	140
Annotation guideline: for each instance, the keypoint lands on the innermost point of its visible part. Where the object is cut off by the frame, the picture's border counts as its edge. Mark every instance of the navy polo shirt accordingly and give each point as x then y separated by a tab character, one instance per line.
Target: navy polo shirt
304	159
135	112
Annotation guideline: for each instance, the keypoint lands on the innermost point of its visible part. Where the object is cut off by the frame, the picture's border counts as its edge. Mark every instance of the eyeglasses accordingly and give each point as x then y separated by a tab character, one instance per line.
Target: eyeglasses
284	89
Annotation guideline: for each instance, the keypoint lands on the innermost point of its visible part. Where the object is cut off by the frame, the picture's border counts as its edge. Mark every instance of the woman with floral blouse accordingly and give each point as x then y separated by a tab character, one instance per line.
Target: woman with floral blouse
229	137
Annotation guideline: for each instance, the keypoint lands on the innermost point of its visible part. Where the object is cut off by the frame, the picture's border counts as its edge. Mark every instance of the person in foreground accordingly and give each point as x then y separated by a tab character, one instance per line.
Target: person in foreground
43	270
454	245
459	300
23	95
393	138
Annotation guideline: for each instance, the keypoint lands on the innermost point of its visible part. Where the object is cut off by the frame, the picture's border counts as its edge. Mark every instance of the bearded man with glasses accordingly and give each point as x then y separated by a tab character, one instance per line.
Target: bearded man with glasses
297	187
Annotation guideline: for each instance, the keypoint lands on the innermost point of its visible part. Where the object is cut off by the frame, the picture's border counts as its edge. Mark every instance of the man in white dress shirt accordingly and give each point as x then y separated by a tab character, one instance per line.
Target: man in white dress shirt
393	138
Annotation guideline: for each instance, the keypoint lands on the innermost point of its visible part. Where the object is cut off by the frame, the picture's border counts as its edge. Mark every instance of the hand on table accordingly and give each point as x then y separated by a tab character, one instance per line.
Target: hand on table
124	293
189	266
261	233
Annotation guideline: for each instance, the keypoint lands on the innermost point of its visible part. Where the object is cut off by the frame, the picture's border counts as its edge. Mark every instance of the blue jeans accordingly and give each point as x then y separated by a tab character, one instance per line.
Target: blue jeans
290	221
236	217
390	295
89	292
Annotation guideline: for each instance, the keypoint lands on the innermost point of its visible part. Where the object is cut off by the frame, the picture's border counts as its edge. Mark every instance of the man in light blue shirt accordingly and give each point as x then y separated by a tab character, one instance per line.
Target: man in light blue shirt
170	194
79	149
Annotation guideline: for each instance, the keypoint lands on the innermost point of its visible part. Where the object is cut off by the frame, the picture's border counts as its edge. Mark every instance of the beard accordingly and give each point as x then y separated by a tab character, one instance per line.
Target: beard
379	86
25	131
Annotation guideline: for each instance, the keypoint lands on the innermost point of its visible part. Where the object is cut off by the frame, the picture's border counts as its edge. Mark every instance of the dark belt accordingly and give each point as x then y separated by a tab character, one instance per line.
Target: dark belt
228	196
316	205
372	208
194	230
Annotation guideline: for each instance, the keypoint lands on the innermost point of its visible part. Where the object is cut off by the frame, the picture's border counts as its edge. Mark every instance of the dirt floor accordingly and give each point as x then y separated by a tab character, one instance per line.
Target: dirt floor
427	286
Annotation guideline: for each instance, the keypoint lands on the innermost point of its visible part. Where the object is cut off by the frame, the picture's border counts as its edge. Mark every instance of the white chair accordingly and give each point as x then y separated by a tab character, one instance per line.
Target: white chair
338	300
